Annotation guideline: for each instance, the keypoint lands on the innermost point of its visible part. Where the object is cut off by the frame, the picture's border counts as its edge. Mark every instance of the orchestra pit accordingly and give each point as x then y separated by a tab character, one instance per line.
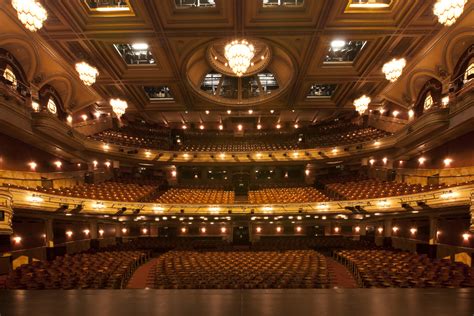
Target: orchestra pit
237	157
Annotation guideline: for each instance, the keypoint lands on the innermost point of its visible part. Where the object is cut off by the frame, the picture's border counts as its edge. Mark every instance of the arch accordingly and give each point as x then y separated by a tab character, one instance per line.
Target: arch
453	46
29	61
422	75
63	86
432	88
49	94
463	63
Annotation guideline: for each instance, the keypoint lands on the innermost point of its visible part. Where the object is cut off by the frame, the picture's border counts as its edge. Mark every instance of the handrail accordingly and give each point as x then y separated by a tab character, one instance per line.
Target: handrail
28	199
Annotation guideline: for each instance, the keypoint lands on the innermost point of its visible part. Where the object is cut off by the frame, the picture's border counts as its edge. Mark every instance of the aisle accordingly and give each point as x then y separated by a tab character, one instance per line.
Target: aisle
144	276
339	275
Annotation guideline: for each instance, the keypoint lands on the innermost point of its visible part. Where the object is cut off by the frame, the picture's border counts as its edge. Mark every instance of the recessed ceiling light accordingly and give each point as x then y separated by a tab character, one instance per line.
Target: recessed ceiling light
140	46
338	44
370	4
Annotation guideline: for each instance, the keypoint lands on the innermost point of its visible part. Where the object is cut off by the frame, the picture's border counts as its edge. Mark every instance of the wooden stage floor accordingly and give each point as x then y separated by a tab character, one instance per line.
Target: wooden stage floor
351	302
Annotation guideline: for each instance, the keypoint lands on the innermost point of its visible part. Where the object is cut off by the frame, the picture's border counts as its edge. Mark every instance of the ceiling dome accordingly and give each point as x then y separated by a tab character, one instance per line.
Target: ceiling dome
270	73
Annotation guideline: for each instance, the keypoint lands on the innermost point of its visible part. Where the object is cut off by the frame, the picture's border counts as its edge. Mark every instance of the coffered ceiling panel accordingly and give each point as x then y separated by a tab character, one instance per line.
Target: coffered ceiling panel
305	33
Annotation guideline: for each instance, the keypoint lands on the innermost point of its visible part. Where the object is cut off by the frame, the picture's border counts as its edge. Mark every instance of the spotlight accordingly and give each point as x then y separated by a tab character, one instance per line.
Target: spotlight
121	211
77	209
62	208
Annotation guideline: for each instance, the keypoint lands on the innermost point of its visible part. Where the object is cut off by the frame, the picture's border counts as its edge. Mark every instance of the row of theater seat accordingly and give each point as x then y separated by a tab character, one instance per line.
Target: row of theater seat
346	138
122	138
369	189
327	135
241	270
110	191
102	270
161	244
386	268
303	242
286	195
197	196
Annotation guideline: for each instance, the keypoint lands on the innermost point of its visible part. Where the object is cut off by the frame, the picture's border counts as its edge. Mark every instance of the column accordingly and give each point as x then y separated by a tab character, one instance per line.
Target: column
49	235
387	228
49	239
327	230
93	231
154	230
433	230
387	232
118	233
471	229
6	215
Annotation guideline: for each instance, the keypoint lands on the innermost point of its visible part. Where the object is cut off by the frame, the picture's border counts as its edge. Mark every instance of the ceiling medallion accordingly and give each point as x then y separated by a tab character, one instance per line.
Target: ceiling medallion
239	55
394	68
362	104
87	73
448	11
119	106
31	13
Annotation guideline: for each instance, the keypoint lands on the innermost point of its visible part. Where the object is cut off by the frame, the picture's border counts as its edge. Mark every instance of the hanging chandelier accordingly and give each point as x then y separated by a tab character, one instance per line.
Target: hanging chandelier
31	13
87	73
448	11
394	68
239	55
118	106
362	104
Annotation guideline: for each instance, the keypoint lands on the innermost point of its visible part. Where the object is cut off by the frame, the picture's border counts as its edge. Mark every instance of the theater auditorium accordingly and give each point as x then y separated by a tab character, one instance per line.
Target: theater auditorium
236	157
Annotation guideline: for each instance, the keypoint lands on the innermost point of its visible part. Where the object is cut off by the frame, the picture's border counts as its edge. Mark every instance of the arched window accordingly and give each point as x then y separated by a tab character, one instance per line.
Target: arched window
469	73
52	106
428	101
9	75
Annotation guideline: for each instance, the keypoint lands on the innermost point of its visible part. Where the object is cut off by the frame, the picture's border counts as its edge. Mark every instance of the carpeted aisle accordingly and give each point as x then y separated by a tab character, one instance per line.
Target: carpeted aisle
144	276
339	275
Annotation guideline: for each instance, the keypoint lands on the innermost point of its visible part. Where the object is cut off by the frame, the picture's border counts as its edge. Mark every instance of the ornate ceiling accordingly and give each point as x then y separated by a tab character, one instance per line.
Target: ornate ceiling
303	34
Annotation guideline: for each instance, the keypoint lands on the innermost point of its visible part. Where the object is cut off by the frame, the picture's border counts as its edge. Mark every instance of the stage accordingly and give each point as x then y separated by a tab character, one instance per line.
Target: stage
384	302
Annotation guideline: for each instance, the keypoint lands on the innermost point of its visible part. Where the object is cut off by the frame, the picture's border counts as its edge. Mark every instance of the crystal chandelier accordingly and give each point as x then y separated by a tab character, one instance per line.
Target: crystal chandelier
31	13
362	104
118	106
87	73
448	11
394	68
239	54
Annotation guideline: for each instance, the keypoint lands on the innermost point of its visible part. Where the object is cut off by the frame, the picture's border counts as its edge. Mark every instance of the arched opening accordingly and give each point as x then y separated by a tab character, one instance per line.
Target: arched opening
12	74
464	70
51	101
429	97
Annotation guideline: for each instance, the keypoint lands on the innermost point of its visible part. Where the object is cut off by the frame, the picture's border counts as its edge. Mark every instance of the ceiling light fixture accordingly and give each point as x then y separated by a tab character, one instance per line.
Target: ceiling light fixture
118	106
31	13
87	73
370	4
140	46
362	104
239	54
337	45
448	11
394	68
